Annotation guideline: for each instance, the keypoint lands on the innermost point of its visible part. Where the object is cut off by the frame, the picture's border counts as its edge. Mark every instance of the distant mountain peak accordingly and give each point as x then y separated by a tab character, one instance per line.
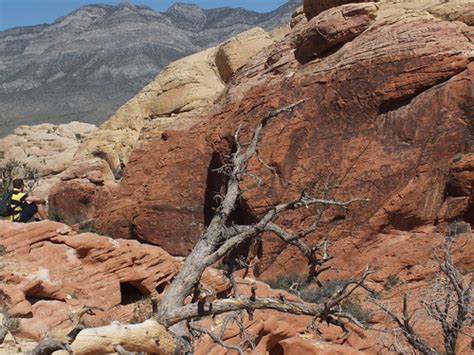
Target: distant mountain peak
183	6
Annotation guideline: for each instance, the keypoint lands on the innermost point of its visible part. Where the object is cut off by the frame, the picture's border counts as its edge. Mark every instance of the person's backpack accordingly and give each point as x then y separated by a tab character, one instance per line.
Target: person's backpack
5	204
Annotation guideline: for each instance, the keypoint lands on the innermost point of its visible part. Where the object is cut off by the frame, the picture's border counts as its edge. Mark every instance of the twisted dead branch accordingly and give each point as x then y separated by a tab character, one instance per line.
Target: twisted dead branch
176	321
449	303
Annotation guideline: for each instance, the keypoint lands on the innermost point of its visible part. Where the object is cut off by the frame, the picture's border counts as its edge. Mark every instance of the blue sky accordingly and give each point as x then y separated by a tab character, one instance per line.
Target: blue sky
32	12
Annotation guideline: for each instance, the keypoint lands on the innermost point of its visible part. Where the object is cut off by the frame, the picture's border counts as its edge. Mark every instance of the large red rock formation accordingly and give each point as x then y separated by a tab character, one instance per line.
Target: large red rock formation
49	272
388	109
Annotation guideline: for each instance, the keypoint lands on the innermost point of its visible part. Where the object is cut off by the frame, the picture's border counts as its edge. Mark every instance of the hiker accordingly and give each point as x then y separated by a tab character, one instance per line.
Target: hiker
24	207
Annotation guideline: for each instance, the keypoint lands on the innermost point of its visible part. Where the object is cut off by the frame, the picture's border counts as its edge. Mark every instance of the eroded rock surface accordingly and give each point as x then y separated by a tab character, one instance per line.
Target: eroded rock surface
387	112
313	8
48	271
388	117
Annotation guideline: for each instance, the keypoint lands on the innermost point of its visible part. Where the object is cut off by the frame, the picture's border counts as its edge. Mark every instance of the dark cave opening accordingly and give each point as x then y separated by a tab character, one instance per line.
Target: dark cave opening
37	298
215	188
130	293
215	183
241	215
469	215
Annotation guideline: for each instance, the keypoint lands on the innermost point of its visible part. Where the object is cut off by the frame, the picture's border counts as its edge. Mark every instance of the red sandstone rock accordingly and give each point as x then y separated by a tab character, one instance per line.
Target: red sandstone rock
387	113
313	8
462	176
49	271
85	184
333	28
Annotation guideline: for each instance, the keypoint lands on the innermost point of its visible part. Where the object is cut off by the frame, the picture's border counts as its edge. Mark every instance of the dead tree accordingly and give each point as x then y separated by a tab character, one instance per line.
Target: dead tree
449	304
176	320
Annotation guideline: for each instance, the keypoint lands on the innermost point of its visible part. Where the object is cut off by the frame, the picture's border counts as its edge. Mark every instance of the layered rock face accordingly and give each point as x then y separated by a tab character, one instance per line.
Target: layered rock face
47	148
389	108
47	269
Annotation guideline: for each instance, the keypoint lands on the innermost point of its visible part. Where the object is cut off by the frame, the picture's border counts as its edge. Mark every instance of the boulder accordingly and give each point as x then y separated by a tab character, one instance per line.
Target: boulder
457	10
81	187
312	8
333	28
47	148
235	52
49	271
298	18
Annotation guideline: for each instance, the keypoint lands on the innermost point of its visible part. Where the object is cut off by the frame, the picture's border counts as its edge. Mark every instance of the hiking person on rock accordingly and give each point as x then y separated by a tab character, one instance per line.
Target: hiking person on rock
24	207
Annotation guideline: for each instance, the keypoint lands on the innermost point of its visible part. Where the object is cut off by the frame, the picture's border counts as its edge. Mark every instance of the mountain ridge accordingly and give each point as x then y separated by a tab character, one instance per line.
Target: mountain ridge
85	65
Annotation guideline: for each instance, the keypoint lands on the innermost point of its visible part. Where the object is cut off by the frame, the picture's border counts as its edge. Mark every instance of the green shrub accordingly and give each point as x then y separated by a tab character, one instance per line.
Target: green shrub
90	227
392	280
53	214
313	293
15	168
3	250
458	227
353	307
316	294
288	282
11	323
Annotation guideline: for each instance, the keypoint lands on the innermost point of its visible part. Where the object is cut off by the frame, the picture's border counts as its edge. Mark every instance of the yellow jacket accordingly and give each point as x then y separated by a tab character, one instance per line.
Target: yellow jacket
17	204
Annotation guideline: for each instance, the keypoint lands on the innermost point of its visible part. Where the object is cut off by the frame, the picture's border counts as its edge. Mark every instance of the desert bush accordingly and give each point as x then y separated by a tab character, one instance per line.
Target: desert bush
392	280
313	293
458	227
13	169
316	294
90	227
12	324
353	307
53	214
289	282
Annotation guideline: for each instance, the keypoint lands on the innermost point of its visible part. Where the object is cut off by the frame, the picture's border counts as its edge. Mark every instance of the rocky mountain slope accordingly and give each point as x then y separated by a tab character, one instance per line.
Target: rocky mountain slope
86	64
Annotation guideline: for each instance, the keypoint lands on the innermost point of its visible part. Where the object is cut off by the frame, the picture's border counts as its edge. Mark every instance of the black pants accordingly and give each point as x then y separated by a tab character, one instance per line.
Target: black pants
28	211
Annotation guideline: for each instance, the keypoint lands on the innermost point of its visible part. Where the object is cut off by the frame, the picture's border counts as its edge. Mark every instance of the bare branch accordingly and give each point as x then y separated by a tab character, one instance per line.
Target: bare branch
217	339
413	339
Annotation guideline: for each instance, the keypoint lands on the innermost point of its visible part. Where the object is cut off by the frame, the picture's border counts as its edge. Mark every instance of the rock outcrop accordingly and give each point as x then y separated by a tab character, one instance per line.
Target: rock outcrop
382	131
47	148
48	271
337	27
312	8
234	53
